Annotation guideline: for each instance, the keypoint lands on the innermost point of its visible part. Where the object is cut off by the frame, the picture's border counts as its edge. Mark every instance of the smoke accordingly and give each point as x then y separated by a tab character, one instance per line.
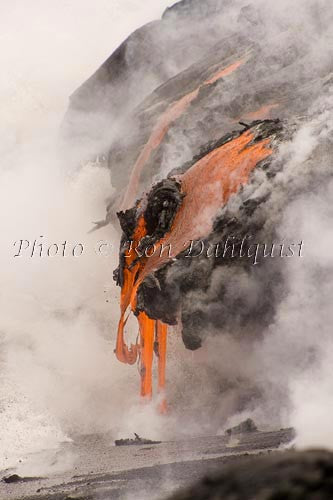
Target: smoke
273	367
302	335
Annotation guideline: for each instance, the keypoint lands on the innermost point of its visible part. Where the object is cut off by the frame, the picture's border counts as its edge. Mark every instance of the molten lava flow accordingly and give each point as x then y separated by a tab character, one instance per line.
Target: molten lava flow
152	333
147	333
224	170
172	113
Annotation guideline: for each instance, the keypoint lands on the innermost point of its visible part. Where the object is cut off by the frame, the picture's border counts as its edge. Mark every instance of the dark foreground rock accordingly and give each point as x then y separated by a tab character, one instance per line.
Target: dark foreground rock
14	478
135	442
282	476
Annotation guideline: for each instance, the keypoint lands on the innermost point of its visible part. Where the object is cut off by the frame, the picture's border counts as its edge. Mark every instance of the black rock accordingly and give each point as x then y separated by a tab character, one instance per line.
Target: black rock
15	478
306	475
135	442
244	427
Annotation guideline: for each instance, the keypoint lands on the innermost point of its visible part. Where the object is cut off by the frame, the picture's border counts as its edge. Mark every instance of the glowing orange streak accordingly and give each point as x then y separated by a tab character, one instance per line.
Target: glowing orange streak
147	333
224	72
172	113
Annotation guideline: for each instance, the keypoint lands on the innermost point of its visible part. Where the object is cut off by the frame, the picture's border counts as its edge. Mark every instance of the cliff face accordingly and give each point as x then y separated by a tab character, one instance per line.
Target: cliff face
149	57
126	101
218	121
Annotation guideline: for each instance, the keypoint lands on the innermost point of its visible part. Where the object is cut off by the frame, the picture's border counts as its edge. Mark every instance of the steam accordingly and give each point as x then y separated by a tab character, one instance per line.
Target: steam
276	373
58	371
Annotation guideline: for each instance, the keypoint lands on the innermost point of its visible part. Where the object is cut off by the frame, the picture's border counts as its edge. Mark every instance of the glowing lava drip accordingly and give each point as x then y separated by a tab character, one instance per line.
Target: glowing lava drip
153	334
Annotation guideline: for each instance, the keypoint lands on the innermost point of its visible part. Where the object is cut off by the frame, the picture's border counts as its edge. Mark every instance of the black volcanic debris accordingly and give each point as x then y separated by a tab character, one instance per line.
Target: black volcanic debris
127	221
246	426
137	441
159	299
163	202
161	206
15	478
305	475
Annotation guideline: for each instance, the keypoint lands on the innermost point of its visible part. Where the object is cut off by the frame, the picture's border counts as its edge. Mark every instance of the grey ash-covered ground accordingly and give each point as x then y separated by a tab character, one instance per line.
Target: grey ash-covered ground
102	471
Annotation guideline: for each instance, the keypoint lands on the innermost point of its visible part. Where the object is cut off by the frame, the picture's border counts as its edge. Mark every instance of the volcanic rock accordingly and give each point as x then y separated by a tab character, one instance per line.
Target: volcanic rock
247	425
135	442
15	478
306	475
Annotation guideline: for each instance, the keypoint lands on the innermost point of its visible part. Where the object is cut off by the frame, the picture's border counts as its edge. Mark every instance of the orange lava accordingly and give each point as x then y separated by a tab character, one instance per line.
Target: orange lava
224	170
147	335
151	332
172	113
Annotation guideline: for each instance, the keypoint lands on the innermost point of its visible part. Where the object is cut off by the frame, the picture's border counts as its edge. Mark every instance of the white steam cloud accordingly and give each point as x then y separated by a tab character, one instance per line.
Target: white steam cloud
58	372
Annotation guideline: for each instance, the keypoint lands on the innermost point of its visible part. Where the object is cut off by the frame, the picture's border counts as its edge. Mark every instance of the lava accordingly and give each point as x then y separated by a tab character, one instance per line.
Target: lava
224	169
153	334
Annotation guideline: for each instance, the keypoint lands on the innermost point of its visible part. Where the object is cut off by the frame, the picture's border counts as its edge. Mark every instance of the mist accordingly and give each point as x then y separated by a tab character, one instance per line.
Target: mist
58	314
278	375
